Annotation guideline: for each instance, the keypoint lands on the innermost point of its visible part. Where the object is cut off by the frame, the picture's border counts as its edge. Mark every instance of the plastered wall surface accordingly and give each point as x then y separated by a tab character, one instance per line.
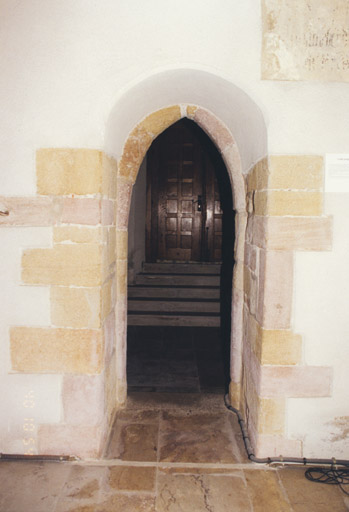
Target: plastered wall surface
321	313
69	63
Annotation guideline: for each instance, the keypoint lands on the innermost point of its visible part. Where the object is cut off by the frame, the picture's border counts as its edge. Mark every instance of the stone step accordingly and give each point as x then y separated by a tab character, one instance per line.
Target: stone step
174	320
178	306
182	268
164	292
178	279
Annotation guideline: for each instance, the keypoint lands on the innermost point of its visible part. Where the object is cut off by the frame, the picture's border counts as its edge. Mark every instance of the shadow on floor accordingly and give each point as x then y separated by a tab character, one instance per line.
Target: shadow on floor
175	359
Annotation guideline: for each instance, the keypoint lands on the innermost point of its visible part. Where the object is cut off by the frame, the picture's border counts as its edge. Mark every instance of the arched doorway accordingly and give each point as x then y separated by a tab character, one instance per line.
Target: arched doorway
179	305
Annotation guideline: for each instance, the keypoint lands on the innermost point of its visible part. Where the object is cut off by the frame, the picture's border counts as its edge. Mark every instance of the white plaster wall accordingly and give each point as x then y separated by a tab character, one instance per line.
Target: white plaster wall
68	63
25	400
321	316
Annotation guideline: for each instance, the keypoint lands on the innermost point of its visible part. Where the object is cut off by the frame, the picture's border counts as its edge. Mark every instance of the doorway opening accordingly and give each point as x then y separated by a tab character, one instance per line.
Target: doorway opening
181	244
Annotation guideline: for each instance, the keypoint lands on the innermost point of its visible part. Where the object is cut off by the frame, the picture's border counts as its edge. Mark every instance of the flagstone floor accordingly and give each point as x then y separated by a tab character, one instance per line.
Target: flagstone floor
167	453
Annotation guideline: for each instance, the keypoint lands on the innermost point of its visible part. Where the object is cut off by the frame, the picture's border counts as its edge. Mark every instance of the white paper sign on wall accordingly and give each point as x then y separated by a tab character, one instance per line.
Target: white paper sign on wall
337	173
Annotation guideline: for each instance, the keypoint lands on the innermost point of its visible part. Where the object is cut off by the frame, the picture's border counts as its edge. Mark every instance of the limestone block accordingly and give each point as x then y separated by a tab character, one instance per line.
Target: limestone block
39	350
76	440
142	136
279	347
305	233
68	171
275	289
83	399
121	277
305	40
123	204
27	211
81	211
75	307
65	264
258	177
108	212
191	109
216	130
158	121
121	244
109	169
273	446
78	235
296	381
107	298
296	172
271	416
283	202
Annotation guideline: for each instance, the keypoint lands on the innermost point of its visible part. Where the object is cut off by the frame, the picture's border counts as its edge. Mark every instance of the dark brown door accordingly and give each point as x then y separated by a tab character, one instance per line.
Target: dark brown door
184	217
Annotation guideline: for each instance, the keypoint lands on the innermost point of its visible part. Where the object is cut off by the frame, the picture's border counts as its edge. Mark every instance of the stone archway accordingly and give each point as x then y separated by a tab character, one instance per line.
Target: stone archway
134	151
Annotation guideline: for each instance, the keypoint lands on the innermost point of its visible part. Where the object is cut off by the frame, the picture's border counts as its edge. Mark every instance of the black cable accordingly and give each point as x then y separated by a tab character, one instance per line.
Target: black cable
329	476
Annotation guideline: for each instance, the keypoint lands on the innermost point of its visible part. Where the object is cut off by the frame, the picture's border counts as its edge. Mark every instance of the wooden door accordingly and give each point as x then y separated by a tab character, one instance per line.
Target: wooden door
184	217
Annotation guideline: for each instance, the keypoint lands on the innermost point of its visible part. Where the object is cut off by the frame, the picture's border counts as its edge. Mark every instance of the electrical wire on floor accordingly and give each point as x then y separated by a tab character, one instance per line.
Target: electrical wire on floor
333	476
330	476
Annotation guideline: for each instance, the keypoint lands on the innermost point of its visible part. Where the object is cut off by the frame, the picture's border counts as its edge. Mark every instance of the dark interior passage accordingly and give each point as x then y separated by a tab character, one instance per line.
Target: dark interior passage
175	359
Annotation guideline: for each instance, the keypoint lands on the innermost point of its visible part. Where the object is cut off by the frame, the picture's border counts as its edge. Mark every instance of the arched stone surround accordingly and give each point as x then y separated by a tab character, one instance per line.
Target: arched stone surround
84	195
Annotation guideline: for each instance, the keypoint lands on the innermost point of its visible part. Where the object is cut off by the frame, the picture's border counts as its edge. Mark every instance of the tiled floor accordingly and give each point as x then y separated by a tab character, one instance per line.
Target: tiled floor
167	453
175	359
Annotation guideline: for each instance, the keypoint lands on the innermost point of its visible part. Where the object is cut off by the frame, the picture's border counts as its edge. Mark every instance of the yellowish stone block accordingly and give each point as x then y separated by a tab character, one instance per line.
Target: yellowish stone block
76	307
121	277
191	109
235	394
296	172
77	235
134	151
280	347
107	301
282	202
110	169
65	264
121	244
36	350
158	121
271	417
68	171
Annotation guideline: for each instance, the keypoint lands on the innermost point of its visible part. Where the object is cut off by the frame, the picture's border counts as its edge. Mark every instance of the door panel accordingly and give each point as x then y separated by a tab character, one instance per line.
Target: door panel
183	211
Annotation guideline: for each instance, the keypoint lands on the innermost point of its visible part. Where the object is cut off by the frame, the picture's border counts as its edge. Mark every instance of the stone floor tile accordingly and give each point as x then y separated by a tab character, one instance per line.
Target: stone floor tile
115	502
31	486
82	487
306	496
134	442
189	493
265	491
197	438
132	478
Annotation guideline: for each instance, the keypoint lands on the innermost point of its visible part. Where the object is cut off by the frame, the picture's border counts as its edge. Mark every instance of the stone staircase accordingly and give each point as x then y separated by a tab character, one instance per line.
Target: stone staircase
181	294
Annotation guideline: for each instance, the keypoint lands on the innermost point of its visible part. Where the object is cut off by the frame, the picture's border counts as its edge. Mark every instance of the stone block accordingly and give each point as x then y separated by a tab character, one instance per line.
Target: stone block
296	172
122	244
271	416
123	204
274	446
81	211
107	298
27	211
40	350
216	130
75	307
108	212
77	235
191	109
296	381
83	399
75	440
258	177
121	277
302	233
275	289
68	171
65	264
157	122
110	168
285	202
279	347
